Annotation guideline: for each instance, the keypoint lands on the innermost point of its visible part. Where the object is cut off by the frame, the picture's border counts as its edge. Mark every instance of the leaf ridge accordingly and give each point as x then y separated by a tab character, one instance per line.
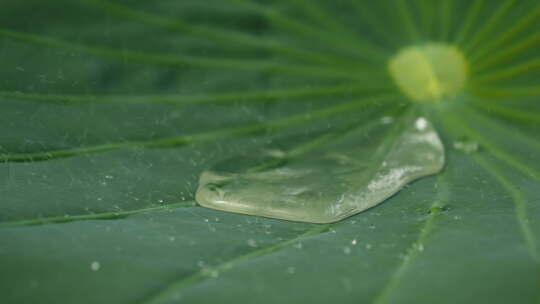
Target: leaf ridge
261	95
189	139
458	124
182	60
175	287
94	216
216	35
488	26
417	247
520	206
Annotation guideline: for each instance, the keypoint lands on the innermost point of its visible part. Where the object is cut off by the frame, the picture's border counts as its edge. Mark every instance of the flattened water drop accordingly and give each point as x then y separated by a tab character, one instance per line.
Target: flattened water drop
353	173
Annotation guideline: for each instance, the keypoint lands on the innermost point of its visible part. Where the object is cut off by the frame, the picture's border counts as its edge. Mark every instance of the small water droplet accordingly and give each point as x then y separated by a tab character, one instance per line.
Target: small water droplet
421	123
172	238
438	209
368	246
353	242
466	146
385	120
252	243
109	176
95	266
347	250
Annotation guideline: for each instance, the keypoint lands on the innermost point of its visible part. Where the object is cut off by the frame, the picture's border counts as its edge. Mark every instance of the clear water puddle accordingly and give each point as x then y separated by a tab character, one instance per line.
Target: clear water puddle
352	173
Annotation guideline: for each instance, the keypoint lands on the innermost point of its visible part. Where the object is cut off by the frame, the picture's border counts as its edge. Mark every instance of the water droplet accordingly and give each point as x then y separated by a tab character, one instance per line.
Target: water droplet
353	242
95	266
385	120
368	246
291	270
109	176
252	243
322	189
172	238
438	209
466	146
421	124
275	153
347	250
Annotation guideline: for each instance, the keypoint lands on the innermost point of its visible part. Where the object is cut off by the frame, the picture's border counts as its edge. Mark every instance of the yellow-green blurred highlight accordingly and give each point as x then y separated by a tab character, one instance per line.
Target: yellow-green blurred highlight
430	72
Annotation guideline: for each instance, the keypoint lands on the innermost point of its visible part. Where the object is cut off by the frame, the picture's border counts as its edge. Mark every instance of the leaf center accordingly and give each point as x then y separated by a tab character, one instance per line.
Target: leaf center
430	72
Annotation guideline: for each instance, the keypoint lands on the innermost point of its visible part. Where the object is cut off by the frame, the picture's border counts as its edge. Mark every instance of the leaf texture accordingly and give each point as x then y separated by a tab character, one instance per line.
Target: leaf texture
111	110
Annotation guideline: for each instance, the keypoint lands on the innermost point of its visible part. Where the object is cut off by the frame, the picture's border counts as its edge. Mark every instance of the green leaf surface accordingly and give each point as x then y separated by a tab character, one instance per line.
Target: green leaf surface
111	110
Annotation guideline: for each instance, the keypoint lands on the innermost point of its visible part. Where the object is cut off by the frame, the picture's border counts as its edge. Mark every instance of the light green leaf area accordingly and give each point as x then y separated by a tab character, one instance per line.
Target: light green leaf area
111	110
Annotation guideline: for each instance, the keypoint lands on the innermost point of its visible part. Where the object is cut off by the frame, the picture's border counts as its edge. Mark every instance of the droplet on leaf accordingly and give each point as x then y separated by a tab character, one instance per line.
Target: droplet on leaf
95	266
252	243
319	186
466	146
